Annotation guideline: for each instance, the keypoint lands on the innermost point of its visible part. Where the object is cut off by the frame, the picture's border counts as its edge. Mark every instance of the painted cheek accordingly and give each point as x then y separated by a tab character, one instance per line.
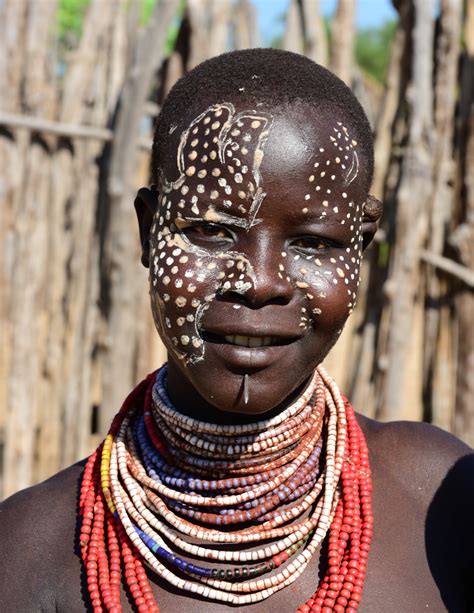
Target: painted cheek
349	269
328	283
334	168
218	161
183	284
185	280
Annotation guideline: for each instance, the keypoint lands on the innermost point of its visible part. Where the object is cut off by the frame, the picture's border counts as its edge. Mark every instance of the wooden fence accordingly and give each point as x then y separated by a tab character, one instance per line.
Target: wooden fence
75	328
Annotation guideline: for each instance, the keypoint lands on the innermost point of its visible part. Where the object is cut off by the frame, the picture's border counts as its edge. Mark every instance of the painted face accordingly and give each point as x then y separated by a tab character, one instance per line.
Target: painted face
255	251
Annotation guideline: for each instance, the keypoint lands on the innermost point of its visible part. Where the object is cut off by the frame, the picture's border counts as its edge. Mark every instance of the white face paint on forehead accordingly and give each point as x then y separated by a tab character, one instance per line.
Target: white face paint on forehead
218	161
219	158
347	157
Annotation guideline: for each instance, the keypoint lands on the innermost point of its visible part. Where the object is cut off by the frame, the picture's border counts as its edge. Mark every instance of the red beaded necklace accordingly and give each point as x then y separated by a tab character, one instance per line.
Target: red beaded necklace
111	546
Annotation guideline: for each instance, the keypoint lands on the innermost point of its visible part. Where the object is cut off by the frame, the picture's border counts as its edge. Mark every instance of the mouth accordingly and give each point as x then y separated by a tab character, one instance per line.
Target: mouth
241	340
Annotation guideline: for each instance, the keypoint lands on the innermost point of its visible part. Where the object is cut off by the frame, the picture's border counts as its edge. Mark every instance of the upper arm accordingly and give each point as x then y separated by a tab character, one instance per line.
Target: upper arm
436	470
19	567
37	543
449	533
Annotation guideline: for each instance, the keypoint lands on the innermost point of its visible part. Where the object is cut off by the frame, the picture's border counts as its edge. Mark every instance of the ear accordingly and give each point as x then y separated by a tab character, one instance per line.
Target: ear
145	204
371	214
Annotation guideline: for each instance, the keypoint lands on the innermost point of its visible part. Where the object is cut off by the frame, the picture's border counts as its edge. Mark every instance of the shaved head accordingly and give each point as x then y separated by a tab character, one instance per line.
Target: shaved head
266	79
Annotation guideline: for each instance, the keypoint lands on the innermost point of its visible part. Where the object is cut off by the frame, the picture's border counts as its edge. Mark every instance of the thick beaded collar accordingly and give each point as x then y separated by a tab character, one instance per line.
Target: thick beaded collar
256	500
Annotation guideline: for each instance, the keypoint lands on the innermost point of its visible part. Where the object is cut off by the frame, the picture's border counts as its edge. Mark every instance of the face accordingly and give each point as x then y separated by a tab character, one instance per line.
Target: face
255	251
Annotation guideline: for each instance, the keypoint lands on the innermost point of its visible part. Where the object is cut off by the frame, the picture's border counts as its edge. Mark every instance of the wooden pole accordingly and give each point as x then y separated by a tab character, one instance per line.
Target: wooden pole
412	218
394	84
343	38
246	33
12	15
29	252
315	39
293	38
121	263
462	239
58	128
439	372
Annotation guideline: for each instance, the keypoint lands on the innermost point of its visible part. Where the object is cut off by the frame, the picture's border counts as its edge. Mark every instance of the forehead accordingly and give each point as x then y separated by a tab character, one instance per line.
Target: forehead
218	162
315	152
231	159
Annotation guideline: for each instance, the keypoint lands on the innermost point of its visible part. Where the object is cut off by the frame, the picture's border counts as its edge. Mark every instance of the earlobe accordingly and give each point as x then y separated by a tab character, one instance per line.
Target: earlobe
371	214
145	206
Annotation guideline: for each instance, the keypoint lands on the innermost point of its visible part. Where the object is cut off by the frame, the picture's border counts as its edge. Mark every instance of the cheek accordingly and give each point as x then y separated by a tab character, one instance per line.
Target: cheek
182	285
184	281
328	284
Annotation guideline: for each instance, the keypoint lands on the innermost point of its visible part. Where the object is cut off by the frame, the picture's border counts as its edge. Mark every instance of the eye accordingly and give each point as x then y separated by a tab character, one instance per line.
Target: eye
208	232
210	229
311	244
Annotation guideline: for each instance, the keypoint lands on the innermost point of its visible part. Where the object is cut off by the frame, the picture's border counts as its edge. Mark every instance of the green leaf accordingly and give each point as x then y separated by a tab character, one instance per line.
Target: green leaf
372	49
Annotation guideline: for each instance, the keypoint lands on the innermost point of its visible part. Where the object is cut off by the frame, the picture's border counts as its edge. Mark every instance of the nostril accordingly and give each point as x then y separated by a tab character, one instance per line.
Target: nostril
253	298
233	297
262	279
269	290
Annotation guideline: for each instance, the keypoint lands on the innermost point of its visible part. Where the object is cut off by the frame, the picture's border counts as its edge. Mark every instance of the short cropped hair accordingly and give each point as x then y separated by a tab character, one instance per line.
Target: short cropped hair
272	76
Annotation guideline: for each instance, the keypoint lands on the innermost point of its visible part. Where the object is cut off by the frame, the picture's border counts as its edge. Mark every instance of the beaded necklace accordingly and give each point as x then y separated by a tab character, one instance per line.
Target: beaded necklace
258	498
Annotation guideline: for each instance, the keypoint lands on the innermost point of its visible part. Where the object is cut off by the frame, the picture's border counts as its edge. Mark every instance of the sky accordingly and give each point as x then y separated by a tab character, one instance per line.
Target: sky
369	13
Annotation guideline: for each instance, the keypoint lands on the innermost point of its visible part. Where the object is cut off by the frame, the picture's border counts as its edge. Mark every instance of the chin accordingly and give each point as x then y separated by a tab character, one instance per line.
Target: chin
212	388
268	389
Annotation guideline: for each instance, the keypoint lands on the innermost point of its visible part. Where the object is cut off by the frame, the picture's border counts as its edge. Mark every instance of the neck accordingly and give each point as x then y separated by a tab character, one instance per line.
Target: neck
188	401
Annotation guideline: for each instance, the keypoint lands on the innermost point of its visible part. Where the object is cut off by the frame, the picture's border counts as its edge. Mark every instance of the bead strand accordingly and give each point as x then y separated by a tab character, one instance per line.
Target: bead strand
341	588
157	466
158	567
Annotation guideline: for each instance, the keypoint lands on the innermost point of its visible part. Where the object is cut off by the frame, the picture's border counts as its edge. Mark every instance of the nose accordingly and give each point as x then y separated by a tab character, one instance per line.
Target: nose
269	284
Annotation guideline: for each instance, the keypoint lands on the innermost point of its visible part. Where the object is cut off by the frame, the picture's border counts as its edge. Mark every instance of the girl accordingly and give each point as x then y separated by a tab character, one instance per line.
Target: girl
238	474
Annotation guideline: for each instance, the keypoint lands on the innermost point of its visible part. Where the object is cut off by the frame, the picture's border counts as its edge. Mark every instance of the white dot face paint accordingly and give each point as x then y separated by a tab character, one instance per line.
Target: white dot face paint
232	234
334	207
219	182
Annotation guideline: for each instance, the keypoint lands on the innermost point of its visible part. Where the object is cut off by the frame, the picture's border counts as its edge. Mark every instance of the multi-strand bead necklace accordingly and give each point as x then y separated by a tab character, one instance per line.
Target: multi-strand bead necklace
231	513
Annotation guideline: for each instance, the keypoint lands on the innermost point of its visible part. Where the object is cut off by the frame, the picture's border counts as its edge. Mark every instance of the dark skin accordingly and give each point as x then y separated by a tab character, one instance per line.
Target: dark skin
421	556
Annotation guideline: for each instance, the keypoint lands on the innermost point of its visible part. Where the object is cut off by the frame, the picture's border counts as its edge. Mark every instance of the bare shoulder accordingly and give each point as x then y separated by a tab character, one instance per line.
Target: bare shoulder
43	503
416	445
431	467
424	459
38	539
423	502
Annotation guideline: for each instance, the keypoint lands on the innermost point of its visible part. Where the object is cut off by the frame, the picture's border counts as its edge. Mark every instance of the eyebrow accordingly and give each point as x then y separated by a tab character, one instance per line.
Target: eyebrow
314	209
316	222
216	217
